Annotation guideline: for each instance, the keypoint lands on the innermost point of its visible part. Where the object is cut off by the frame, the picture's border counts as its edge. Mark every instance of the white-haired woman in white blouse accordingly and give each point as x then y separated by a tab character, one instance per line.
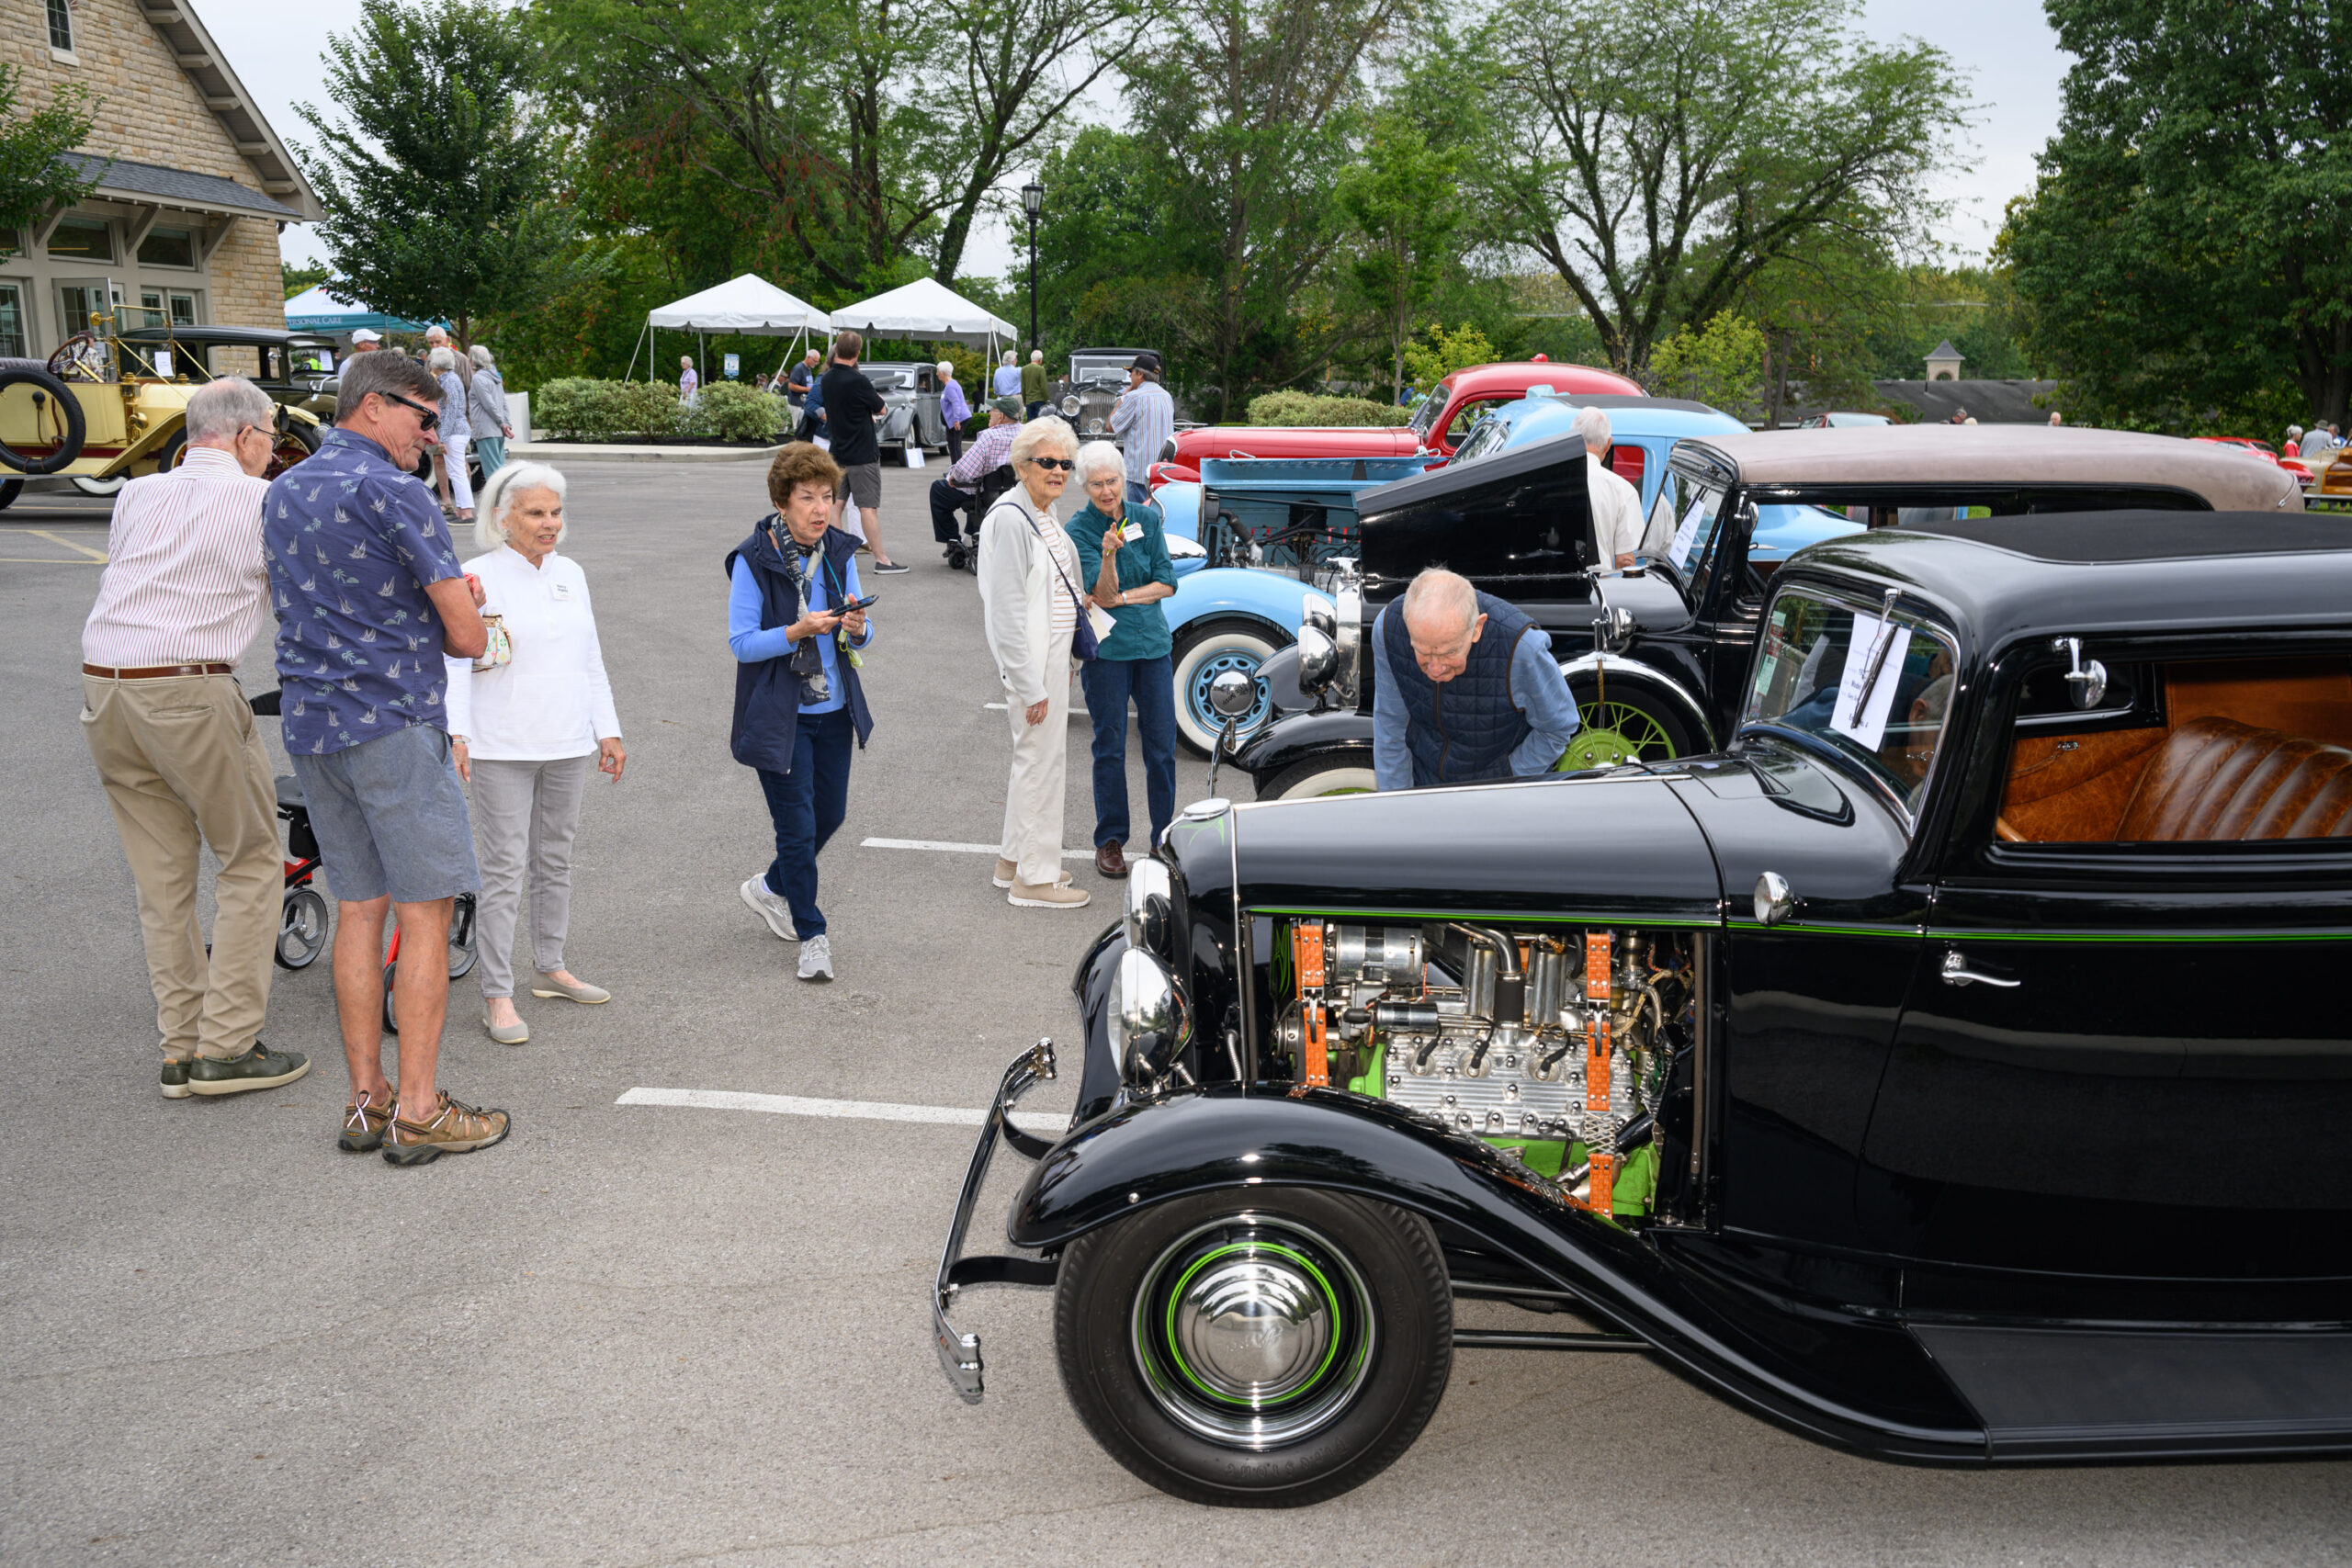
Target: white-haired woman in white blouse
525	734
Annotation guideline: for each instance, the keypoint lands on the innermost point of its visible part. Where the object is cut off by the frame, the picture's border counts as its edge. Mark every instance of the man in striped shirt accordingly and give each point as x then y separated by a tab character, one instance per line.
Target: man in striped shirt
1143	420
173	739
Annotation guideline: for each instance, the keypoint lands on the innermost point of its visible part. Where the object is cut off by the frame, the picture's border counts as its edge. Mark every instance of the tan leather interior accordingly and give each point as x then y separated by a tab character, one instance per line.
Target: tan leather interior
2218	779
2310	697
2071	789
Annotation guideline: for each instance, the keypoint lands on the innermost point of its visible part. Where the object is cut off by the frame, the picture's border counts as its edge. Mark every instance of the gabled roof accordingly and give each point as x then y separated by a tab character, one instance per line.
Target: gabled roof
207	69
1944	350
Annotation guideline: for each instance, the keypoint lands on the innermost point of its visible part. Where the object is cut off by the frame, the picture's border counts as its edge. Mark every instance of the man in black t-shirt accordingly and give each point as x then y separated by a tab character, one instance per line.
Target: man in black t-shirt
853	410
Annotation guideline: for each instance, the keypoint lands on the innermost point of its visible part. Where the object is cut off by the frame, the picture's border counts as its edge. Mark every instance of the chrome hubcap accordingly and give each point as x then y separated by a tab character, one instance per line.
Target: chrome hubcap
1253	1332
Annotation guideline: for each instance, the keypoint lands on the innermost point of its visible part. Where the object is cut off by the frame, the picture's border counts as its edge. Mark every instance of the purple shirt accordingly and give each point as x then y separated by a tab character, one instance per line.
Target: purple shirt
352	541
951	406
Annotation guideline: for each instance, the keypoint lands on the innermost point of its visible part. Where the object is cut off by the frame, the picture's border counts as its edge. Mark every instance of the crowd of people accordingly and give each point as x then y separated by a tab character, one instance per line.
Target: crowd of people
444	718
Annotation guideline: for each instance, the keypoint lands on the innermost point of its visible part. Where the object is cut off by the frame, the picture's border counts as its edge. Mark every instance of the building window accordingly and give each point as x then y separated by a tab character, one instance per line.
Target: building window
83	239
61	26
183	309
12	320
168	247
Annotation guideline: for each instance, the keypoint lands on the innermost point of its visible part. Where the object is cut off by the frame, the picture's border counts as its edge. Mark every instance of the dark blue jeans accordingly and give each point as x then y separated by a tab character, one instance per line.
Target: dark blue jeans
807	805
1108	683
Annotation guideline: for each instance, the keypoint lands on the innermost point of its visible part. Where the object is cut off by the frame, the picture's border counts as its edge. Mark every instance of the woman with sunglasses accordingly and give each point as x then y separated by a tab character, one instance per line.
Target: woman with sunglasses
1030	590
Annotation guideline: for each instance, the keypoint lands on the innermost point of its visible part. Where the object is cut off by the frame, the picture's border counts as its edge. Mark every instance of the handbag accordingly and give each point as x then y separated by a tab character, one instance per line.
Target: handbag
1085	637
498	646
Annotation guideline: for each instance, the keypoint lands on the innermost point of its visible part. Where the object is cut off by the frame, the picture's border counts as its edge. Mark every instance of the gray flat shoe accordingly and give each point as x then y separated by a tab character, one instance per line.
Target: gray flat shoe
513	1033
548	986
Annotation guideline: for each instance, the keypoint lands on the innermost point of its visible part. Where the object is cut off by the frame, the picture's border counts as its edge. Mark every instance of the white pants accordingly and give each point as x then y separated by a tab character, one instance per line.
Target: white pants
461	483
1032	797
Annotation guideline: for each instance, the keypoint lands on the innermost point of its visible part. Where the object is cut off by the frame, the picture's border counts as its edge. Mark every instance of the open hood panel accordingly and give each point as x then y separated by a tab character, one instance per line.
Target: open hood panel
1518	525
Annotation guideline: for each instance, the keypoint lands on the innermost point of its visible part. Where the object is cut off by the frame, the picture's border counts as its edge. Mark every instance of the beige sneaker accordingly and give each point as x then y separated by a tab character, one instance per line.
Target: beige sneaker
1061	896
1007	871
456	1128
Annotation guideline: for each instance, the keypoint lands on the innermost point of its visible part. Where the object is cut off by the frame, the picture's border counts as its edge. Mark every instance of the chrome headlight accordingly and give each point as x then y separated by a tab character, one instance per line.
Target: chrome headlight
1094	427
1319	658
1145	1018
1150	906
1318	612
1070	405
1347	640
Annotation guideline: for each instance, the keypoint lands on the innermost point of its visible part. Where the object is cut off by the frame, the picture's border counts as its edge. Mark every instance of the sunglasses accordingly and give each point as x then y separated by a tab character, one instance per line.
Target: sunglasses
1054	462
426	418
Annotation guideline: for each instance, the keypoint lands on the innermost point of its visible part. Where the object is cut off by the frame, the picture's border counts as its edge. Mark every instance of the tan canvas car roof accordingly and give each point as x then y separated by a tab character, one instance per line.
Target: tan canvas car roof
2230	479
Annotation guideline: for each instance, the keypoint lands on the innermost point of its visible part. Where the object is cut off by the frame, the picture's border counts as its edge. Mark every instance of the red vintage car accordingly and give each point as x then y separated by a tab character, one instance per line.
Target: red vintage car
1442	420
2295	465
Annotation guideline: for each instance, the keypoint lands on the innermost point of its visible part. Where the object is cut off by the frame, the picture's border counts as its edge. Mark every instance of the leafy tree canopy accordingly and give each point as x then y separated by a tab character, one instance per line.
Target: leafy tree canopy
34	180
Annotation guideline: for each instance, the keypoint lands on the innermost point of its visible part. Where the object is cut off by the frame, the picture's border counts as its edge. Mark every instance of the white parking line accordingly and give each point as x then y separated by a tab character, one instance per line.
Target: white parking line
944	846
858	1110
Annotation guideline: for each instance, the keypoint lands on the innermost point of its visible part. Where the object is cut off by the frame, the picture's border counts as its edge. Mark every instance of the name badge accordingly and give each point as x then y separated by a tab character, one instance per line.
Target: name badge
560	591
1131	532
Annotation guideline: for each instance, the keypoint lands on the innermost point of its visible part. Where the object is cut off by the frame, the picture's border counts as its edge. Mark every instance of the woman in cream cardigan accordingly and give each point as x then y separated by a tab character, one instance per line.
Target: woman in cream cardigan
524	733
1031	590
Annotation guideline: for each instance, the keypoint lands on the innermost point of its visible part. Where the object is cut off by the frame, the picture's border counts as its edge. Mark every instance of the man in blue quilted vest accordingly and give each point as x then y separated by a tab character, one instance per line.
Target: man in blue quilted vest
1464	689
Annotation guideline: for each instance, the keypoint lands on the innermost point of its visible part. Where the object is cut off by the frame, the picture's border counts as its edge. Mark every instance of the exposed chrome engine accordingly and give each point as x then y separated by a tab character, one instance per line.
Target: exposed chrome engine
1560	1043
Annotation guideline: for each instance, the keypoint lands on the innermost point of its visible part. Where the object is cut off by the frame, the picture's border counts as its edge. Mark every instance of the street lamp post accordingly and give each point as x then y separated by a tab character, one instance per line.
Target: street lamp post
1033	196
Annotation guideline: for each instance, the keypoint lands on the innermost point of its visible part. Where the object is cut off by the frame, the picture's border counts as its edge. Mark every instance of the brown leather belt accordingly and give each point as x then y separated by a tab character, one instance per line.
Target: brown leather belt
157	672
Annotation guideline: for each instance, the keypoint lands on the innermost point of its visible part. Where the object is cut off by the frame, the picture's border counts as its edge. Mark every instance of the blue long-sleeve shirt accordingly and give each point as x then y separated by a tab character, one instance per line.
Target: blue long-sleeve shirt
752	645
1551	712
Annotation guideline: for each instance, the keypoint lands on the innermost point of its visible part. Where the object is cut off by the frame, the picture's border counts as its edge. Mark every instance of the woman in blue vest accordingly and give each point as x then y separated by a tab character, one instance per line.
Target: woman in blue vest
1464	689
797	698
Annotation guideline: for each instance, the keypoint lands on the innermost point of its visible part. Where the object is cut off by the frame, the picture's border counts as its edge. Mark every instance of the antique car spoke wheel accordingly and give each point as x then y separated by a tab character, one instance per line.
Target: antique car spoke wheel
1615	732
1266	1348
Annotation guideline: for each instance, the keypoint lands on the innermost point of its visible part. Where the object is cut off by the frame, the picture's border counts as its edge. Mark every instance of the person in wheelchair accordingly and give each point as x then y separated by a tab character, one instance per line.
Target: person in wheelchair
982	474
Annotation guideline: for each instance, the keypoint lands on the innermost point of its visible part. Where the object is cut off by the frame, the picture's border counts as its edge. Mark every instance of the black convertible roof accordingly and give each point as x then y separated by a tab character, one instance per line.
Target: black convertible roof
2056	573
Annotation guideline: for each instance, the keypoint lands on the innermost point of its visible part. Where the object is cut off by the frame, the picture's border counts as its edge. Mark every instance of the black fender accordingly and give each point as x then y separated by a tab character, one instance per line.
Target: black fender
1841	1378
1099	1088
1303	736
1279	674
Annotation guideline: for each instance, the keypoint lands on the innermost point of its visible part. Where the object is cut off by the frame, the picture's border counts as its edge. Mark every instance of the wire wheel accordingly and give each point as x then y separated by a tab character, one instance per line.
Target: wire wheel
1612	733
301	928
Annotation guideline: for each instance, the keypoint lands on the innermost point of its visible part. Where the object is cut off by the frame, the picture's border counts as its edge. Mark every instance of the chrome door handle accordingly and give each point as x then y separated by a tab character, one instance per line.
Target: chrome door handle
1958	973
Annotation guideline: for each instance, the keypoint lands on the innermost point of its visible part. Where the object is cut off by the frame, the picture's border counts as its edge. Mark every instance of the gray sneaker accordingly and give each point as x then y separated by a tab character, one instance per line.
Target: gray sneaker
817	958
769	906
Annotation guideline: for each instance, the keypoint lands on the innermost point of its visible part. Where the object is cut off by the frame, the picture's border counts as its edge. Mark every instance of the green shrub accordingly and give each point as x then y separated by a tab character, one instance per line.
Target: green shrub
574	406
1308	408
733	411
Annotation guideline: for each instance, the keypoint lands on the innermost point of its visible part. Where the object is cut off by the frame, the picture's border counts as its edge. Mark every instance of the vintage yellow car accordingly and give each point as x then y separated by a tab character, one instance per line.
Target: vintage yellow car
105	408
2332	486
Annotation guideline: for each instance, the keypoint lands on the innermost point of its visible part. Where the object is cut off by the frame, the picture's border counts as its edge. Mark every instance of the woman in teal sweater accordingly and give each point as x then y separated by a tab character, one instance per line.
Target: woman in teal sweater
1122	551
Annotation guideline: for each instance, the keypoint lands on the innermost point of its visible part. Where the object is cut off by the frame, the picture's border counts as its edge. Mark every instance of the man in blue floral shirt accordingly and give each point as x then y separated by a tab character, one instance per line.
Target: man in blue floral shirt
368	595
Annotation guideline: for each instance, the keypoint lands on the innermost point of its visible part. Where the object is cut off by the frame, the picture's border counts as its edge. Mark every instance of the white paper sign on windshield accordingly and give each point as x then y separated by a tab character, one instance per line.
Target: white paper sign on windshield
1687	536
1879	643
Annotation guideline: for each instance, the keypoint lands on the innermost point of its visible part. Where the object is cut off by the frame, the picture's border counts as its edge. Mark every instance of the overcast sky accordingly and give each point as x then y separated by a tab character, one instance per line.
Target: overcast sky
2005	47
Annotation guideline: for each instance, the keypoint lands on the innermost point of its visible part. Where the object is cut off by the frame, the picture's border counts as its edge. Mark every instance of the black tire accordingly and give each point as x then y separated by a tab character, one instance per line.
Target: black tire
1332	773
1369	1285
391	1023
24	373
9	490
175	448
301	928
1651	726
290	445
463	953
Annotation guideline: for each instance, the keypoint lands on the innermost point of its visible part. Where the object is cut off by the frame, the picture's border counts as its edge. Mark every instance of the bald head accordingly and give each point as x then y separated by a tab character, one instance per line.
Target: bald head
1442	618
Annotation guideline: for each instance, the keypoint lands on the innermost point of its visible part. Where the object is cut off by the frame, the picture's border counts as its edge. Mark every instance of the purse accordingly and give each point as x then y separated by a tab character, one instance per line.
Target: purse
498	647
1095	623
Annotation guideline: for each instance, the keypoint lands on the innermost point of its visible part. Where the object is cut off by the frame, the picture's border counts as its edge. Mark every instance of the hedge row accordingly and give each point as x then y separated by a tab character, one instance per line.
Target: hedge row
605	410
1309	408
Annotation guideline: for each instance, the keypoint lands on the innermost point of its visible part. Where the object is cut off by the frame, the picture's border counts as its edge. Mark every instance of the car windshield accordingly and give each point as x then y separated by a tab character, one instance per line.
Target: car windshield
1425	417
1875	690
1487	435
1694	529
1087	374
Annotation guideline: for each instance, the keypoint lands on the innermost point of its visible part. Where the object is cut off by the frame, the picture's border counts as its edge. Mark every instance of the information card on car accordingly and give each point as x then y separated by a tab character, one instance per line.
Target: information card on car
1875	645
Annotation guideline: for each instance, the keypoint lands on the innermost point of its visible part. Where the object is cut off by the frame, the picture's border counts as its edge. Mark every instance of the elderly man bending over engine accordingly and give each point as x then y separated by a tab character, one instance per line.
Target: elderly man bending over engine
1464	689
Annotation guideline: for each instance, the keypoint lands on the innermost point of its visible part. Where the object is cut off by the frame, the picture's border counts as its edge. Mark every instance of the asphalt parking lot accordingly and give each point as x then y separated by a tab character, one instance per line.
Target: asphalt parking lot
653	1334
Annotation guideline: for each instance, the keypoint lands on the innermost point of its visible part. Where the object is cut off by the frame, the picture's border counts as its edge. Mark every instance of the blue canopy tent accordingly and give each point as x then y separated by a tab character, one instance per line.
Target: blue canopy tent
316	310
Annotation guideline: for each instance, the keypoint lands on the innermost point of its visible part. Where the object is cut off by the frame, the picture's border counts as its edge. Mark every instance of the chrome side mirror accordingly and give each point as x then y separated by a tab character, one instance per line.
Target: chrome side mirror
1774	902
1231	695
2086	683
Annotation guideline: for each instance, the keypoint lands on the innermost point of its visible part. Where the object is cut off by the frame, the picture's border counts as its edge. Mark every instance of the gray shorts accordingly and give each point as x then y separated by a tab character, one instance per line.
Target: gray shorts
863	484
390	818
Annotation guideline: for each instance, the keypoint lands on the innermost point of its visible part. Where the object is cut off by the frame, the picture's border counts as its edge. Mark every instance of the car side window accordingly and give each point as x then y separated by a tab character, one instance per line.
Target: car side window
1472	410
1876	690
2210	754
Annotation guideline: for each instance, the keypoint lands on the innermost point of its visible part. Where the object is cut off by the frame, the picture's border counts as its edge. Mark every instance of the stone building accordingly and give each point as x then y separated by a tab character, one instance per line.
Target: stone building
193	186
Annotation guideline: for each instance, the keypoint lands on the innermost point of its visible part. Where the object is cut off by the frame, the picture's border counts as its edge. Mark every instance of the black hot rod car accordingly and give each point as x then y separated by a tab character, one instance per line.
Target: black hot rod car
1946	1071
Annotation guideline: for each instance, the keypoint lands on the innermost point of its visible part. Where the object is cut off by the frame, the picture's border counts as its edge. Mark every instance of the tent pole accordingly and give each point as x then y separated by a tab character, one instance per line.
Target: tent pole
633	347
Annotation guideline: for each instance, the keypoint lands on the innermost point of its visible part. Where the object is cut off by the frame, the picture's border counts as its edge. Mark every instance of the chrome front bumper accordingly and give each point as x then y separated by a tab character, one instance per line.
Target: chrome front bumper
960	1354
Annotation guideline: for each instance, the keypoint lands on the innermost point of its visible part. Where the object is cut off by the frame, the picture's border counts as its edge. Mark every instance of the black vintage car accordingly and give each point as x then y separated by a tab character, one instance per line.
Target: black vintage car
1947	1070
1655	657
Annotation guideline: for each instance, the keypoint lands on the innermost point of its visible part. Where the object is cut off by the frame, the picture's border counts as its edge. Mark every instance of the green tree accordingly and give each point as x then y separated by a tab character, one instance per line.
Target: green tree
441	188
35	180
1400	197
2185	257
872	128
1251	103
1721	365
298	279
1445	352
1658	154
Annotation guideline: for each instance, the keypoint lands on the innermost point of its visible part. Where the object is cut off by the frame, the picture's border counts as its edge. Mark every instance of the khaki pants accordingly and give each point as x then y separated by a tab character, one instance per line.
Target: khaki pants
1033	795
184	767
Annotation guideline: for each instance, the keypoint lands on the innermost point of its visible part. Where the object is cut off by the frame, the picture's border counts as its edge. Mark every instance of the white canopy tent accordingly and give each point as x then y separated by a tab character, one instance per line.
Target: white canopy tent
749	304
925	310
